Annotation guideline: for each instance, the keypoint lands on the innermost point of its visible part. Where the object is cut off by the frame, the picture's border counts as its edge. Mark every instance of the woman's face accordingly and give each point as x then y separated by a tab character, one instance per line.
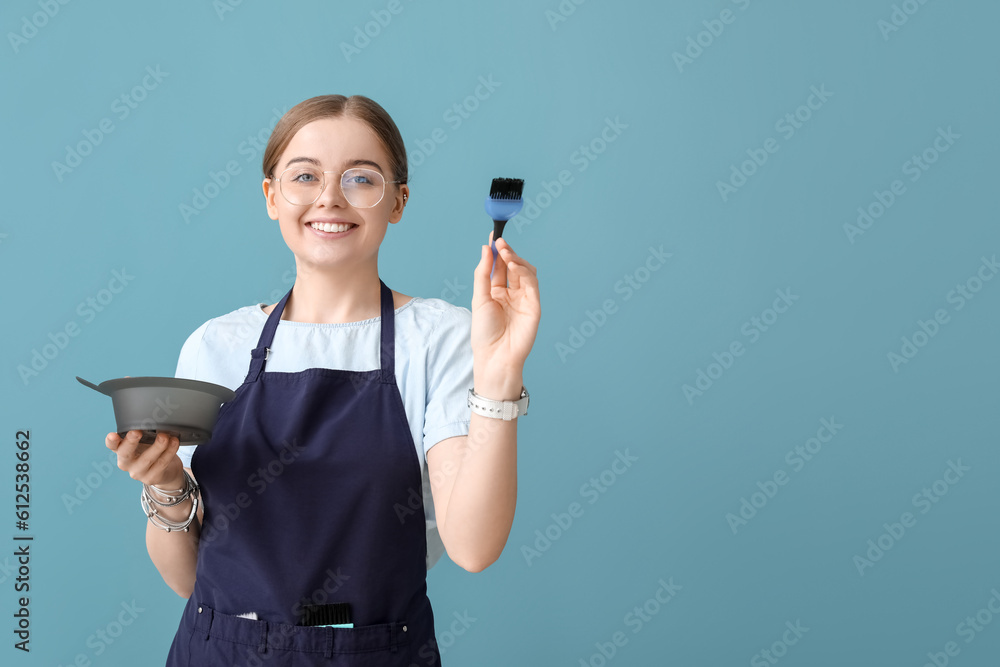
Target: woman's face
334	144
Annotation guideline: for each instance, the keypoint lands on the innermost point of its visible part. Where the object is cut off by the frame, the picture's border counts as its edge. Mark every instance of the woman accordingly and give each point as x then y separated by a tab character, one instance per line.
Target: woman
317	473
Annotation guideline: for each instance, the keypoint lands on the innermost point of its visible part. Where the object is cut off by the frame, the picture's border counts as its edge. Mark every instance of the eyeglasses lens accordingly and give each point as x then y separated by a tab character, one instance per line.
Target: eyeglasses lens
363	188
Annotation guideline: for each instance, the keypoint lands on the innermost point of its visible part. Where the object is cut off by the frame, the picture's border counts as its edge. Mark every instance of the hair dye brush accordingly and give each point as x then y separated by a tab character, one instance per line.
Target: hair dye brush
503	204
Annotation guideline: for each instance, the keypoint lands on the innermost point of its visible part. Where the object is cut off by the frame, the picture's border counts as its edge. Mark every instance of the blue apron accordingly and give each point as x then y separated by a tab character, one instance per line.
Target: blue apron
301	483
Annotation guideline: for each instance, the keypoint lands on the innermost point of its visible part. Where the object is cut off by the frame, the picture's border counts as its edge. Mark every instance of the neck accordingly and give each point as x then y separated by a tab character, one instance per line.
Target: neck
327	297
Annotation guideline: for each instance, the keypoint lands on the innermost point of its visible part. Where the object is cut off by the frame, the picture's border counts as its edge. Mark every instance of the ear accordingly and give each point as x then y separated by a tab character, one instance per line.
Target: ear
402	196
270	192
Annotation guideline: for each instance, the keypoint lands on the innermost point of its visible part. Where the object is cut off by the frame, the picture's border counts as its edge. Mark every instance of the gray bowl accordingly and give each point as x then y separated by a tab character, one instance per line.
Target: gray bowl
185	408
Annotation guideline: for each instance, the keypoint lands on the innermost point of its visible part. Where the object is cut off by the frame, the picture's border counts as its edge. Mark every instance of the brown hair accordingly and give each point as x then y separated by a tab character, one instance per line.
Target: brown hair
335	106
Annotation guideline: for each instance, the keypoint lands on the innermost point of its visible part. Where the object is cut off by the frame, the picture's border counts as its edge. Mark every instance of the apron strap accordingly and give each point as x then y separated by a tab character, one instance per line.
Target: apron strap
259	354
387	338
387	333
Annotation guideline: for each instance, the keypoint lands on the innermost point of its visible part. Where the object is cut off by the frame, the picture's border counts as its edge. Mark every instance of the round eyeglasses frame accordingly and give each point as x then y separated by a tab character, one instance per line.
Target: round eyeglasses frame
339	182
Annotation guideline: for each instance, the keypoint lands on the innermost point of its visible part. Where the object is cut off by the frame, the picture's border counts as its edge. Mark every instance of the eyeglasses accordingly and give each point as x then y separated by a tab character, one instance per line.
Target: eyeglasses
301	186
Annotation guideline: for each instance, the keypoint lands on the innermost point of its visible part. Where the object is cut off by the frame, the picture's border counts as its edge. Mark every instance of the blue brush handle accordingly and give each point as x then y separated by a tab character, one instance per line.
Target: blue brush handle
497	230
501	210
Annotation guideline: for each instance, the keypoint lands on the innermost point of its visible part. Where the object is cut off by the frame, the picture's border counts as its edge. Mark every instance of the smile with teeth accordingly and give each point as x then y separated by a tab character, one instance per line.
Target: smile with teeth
331	226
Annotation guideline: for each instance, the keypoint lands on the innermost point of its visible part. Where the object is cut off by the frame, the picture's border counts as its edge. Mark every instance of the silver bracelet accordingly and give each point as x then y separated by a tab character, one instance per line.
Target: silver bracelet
167	524
189	487
170	492
171	500
192	490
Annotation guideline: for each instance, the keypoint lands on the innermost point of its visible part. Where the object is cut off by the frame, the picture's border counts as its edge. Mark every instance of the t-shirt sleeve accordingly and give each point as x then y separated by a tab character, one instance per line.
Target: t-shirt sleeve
187	367
449	377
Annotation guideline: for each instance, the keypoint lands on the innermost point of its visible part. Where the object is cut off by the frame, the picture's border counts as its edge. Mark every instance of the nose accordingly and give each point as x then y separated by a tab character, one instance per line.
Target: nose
333	193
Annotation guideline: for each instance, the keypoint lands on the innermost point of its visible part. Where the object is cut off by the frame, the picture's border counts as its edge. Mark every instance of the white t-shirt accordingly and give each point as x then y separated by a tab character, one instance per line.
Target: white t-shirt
433	367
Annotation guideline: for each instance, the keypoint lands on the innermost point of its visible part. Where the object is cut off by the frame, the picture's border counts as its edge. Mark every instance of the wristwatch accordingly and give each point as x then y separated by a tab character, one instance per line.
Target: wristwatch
506	410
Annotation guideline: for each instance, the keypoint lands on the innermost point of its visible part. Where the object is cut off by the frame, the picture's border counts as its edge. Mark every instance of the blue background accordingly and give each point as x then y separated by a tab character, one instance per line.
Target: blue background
682	129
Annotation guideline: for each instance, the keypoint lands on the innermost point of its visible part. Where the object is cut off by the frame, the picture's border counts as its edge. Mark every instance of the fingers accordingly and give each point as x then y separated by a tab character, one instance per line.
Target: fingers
514	274
146	466
151	461
124	447
481	276
508	255
498	277
166	459
508	266
520	272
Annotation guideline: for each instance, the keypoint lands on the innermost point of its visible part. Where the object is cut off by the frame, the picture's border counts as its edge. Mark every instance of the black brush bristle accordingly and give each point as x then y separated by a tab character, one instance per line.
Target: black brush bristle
325	614
506	188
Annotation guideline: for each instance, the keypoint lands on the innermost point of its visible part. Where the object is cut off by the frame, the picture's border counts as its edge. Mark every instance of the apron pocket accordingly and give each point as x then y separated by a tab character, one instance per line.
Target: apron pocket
227	639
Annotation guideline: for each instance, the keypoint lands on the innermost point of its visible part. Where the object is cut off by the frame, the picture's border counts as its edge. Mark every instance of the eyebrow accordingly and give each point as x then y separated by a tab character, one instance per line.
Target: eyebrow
348	163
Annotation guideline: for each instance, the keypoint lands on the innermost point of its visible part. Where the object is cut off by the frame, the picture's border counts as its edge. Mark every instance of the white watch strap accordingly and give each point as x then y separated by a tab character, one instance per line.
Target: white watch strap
506	410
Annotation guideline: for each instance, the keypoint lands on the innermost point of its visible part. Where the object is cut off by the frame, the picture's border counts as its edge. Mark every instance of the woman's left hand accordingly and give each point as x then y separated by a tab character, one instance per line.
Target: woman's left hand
504	318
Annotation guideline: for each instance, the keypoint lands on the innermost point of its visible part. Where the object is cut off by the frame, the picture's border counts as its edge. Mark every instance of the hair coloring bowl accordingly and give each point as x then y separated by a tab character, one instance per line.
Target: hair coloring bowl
182	407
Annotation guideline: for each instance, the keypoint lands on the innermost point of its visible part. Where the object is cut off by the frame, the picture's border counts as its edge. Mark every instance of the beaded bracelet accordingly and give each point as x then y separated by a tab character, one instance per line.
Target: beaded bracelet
189	487
191	490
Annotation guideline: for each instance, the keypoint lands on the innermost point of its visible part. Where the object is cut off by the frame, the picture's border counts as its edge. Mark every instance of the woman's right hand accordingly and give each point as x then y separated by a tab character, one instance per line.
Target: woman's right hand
154	464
